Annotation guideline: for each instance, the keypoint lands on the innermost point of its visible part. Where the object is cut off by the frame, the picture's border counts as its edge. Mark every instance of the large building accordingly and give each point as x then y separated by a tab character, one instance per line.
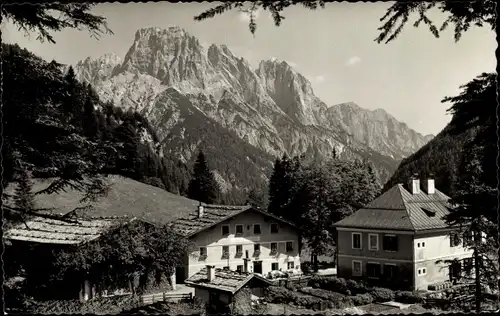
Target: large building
240	238
401	239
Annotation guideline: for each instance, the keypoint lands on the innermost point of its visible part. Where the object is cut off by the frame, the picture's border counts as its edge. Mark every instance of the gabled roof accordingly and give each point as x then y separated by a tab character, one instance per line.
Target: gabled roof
398	209
54	231
192	224
225	280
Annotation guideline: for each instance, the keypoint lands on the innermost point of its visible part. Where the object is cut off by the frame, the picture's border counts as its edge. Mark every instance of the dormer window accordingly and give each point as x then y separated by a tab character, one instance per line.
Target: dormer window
428	212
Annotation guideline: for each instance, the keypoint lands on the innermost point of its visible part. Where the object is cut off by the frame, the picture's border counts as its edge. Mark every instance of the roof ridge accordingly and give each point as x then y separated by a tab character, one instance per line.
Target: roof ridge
400	187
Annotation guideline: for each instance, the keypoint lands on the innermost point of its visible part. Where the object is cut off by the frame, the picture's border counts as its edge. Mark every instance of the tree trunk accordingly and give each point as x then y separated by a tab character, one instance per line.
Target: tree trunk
478	281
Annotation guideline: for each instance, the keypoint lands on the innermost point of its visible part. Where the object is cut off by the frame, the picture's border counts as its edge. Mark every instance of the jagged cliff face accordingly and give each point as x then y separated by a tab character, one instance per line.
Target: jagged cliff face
182	86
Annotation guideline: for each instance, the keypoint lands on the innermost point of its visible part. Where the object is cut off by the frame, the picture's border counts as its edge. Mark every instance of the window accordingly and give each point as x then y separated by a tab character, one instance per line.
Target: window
239	229
239	250
274	228
239	268
289	246
274	248
226	268
421	244
275	266
373	241
225	230
356	268
225	252
290	265
256	249
256	229
422	271
391	272
203	252
373	270
356	240
468	264
468	238
390	243
454	239
455	271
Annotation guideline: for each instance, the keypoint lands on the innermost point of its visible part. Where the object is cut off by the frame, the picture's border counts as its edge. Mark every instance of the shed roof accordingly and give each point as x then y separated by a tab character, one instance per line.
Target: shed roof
225	280
54	231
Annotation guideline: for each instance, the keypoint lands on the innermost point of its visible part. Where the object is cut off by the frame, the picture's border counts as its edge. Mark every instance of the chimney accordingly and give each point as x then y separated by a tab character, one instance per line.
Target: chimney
210	273
414	184
201	210
428	185
245	265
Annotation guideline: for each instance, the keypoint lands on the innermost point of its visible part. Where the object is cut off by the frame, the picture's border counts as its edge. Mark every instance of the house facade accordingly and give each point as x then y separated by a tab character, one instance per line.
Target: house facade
228	292
239	238
401	239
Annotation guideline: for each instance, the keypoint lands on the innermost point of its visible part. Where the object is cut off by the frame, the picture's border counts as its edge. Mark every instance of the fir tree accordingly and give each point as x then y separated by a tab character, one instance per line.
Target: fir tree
257	198
203	186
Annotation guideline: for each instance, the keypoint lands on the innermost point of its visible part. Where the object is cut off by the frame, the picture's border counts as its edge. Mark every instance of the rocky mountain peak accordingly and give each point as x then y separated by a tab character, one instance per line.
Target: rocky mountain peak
184	87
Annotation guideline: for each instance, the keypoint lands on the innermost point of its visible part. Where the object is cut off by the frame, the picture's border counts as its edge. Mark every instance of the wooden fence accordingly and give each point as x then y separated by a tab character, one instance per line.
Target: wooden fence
295	281
165	297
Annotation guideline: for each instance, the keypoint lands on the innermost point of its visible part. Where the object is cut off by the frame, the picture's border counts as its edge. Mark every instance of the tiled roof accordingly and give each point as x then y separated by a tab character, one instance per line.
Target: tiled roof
398	209
54	231
213	214
225	280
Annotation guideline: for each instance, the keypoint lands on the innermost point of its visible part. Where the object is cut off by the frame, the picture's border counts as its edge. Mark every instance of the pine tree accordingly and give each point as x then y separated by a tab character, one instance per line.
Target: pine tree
203	186
257	198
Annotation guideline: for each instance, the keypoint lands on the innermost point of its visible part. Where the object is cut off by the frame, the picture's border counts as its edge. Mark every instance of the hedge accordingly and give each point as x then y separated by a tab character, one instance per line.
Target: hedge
336	300
408	297
382	294
362	299
330	284
280	295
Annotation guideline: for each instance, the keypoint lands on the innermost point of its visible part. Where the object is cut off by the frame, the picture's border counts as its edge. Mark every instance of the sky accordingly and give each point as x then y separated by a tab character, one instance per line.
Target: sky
333	47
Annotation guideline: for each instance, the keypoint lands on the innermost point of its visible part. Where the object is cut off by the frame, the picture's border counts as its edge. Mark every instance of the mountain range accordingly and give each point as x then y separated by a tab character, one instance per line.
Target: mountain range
199	97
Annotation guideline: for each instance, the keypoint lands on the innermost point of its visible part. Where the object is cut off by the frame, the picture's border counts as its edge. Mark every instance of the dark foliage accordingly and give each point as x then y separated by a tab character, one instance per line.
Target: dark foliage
203	186
44	18
461	14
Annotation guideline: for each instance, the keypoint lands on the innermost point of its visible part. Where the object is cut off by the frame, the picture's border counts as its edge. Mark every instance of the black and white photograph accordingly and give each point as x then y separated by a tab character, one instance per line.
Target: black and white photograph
249	157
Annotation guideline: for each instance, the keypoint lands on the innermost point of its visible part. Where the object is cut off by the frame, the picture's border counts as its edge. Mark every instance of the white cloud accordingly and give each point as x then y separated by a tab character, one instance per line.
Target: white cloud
353	61
291	63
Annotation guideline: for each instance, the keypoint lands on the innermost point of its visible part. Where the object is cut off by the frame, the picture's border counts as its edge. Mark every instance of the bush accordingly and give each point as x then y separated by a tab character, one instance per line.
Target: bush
408	297
280	295
356	287
336	300
362	299
330	283
277	294
382	294
108	305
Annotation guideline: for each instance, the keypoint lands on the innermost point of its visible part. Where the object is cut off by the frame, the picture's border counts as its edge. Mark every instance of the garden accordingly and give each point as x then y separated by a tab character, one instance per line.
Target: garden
331	293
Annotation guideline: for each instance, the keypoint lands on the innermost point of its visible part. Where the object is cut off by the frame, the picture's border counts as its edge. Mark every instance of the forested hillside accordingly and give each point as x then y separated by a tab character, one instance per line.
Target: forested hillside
55	126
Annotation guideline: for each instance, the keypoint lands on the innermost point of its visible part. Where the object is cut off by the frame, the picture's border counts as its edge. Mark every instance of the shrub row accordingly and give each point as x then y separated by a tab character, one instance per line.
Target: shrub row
281	295
361	294
340	285
336	300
